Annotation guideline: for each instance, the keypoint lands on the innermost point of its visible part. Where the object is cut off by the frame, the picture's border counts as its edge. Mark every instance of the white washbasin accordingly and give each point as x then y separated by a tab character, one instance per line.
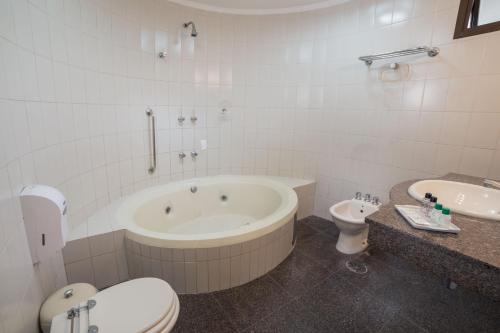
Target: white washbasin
466	199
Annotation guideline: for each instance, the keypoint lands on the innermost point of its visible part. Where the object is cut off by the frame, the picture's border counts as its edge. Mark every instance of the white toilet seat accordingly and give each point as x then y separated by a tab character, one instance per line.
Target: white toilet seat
172	322
166	324
146	305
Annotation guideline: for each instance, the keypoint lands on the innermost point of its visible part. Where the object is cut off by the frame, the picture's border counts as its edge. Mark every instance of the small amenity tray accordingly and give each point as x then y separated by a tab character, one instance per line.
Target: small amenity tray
415	217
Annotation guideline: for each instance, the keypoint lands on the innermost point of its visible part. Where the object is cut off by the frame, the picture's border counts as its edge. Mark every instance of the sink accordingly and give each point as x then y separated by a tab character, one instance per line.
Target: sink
466	199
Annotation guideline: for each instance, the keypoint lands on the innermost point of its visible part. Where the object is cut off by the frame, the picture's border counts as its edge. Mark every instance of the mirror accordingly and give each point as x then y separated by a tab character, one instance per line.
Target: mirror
477	17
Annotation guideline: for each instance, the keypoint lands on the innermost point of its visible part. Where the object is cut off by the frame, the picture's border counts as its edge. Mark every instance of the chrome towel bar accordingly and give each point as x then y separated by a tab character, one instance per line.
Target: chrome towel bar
431	52
152	131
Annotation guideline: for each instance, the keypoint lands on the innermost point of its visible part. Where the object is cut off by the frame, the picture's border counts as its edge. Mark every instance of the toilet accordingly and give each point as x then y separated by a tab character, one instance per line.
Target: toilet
349	216
146	305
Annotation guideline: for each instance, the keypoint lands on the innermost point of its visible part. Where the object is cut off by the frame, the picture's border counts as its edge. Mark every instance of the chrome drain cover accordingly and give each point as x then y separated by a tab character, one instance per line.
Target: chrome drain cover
356	267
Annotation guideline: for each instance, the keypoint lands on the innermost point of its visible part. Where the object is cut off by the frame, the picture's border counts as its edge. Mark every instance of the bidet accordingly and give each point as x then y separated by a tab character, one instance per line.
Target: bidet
349	216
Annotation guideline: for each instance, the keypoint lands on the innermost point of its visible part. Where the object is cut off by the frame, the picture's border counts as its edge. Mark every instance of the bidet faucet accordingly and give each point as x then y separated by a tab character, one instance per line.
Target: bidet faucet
491	183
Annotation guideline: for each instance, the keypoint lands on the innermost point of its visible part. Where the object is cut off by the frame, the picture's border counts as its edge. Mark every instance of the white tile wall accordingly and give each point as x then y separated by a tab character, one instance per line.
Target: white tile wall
99	260
77	75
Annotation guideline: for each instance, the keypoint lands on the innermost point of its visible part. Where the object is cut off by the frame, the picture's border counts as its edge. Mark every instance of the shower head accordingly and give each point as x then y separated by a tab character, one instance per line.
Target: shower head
194	33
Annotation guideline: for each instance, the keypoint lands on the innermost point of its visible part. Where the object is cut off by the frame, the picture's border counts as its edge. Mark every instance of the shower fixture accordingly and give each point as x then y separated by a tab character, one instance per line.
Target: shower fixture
194	33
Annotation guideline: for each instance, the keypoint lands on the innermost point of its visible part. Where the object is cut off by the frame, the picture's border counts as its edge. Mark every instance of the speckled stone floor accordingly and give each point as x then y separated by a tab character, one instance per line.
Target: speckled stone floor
313	291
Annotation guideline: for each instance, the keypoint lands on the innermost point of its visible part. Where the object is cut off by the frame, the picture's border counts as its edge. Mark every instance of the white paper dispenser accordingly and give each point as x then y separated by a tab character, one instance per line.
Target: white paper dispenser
44	212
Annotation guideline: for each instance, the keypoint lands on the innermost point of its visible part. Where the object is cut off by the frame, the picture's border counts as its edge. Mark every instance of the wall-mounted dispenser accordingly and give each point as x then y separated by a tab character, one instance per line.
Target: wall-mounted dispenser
44	212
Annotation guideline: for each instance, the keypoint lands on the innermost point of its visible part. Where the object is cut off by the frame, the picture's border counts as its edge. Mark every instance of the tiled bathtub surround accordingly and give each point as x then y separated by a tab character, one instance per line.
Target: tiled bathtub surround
193	271
77	76
96	252
305	194
107	259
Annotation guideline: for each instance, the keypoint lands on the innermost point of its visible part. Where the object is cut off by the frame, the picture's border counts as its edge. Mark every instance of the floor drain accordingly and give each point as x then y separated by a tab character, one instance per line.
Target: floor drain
356	267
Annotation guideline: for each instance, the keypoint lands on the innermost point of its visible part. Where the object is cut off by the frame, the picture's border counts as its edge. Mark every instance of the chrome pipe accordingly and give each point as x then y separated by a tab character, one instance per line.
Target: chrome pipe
152	131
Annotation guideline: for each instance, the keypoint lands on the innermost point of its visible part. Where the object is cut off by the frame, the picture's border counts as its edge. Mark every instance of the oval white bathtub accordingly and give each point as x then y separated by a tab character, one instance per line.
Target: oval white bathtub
200	235
208	234
207	212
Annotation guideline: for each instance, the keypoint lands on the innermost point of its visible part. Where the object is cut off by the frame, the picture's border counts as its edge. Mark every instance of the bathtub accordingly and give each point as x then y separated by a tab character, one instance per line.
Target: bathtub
207	212
231	230
217	225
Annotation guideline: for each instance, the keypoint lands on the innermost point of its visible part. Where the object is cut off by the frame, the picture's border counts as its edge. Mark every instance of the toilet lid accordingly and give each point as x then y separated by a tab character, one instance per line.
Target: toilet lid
166	324
133	306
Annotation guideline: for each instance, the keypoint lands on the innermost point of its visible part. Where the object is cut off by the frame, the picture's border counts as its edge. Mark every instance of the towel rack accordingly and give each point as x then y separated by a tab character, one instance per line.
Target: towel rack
431	52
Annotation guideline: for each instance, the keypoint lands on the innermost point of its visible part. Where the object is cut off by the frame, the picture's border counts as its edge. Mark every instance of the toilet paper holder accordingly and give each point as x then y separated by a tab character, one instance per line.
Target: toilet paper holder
44	210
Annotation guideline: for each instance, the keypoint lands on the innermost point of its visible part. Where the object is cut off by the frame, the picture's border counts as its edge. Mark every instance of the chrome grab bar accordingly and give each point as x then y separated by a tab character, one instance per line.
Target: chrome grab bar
152	130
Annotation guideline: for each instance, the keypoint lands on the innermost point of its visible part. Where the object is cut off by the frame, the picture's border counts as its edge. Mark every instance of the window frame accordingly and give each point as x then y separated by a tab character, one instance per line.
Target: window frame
469	9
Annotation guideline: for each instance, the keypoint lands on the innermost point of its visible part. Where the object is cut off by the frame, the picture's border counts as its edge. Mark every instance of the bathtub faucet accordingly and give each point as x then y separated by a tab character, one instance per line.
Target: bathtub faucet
194	189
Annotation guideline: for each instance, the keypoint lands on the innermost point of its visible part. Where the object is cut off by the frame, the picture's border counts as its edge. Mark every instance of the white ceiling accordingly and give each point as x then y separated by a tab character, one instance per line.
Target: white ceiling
258	7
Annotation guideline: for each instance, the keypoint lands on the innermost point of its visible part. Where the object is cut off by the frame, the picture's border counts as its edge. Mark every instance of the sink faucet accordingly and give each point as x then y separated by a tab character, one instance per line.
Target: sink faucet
491	183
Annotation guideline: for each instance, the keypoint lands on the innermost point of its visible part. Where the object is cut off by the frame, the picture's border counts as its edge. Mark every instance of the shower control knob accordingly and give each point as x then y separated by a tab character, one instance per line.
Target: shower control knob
181	119
194	154
182	155
194	119
162	54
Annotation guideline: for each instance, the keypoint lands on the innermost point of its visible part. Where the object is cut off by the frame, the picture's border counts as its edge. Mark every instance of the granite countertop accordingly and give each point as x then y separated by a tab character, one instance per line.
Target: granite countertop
478	239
